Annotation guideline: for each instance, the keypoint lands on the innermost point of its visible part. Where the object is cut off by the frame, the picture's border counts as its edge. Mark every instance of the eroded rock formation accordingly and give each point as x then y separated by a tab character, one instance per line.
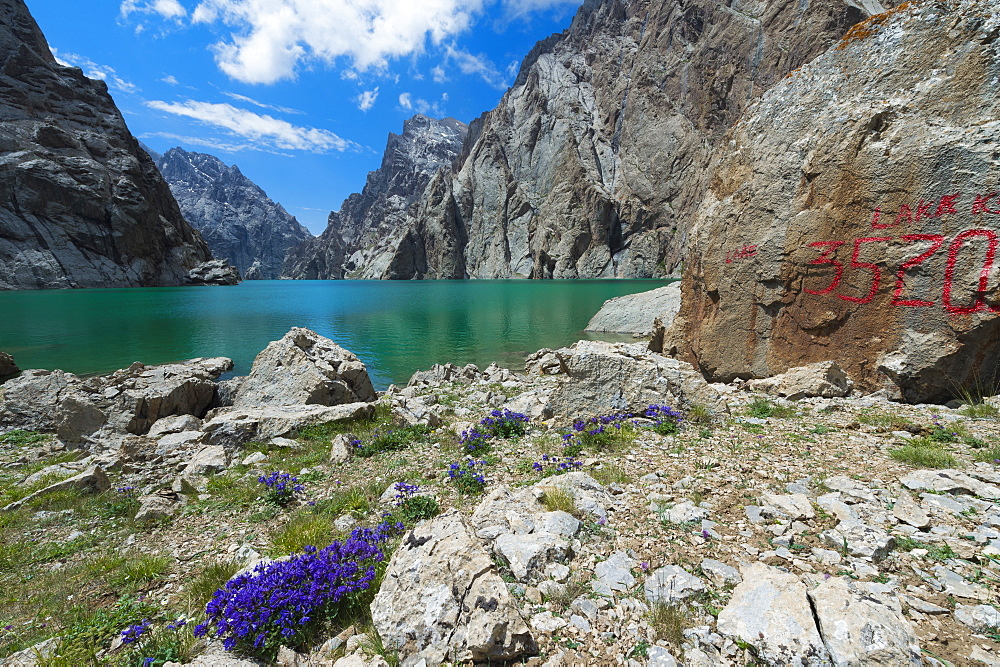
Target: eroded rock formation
81	205
854	215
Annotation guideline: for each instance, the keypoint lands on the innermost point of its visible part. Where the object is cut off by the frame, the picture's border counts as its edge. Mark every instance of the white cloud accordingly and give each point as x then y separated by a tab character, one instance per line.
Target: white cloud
267	130
367	99
215	144
171	79
420	105
476	65
95	70
168	9
520	8
262	105
272	38
437	73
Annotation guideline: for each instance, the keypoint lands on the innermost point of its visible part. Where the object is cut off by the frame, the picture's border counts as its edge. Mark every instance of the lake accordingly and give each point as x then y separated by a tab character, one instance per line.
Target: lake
395	327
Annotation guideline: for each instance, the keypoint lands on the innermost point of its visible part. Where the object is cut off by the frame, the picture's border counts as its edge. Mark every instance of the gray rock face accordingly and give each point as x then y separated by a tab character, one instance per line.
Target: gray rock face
443	599
91	480
600	377
235	216
862	628
304	368
852	212
82	204
235	427
825	378
636	313
671	584
594	160
770	611
371	235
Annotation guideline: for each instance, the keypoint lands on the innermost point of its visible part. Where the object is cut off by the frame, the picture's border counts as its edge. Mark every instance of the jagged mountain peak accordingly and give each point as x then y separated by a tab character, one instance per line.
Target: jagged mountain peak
237	218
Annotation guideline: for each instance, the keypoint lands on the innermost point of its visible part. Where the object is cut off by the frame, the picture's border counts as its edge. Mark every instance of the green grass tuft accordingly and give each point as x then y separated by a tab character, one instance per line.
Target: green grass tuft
762	408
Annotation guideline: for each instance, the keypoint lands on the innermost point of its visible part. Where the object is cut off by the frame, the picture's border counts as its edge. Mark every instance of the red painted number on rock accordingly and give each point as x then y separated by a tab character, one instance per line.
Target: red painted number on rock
936	241
984	274
874	268
827	258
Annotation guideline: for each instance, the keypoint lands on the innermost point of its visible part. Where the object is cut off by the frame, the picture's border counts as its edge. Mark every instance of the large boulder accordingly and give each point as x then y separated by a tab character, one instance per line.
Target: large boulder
232	428
599	378
636	313
7	366
824	378
304	368
770	611
443	599
853	215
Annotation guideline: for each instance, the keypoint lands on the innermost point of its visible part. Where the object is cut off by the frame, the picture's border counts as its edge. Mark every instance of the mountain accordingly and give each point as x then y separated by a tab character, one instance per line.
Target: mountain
234	215
595	160
369	236
81	204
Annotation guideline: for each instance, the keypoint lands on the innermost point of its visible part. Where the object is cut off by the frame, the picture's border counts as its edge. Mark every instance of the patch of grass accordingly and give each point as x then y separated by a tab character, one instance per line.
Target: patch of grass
229	491
21	553
213	577
699	414
415	509
21	437
991	455
556	499
128	572
356	500
669	623
762	408
91	630
391	439
821	430
611	473
924	453
303	529
883	419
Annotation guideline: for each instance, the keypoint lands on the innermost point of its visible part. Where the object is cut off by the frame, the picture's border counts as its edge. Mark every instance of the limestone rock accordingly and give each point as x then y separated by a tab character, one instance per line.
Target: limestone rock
208	460
980	618
635	313
442	592
235	217
213	272
859	539
33	656
7	366
83	204
588	494
909	512
616	572
793	506
862	628
232	428
949	481
173	424
91	480
824	378
720	573
771	612
440	374
528	554
304	368
157	506
502	512
671	584
819	176
340	448
600	378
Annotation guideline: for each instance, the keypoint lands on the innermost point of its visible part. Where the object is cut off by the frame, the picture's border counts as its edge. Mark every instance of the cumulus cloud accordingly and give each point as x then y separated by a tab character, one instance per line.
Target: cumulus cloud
259	128
437	73
478	65
95	70
170	79
168	9
367	99
272	38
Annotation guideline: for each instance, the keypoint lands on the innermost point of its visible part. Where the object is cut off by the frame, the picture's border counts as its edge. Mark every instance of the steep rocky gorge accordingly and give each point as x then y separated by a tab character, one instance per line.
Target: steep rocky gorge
81	204
363	239
235	216
854	214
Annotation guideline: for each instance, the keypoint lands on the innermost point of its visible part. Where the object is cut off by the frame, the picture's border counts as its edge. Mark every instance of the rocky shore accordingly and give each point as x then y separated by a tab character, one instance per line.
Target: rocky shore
606	506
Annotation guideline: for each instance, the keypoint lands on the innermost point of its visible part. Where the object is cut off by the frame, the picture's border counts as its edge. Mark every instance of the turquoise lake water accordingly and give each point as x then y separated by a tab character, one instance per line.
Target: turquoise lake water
395	327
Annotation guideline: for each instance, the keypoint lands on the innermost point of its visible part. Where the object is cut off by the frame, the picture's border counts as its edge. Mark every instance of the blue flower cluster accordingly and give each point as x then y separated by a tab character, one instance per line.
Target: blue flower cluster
474	442
131	634
665	419
404	492
281	487
468	476
505	424
289	602
553	465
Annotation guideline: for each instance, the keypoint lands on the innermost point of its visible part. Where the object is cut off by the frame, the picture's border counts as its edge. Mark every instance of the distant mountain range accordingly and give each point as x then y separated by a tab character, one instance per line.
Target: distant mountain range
235	216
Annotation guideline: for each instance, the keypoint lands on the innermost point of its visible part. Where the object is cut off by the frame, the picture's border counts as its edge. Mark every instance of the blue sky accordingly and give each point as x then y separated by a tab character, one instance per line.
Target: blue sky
301	94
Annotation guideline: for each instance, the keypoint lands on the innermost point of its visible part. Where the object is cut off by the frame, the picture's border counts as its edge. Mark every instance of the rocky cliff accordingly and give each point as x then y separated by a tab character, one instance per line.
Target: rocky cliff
234	215
81	204
854	215
593	163
364	238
